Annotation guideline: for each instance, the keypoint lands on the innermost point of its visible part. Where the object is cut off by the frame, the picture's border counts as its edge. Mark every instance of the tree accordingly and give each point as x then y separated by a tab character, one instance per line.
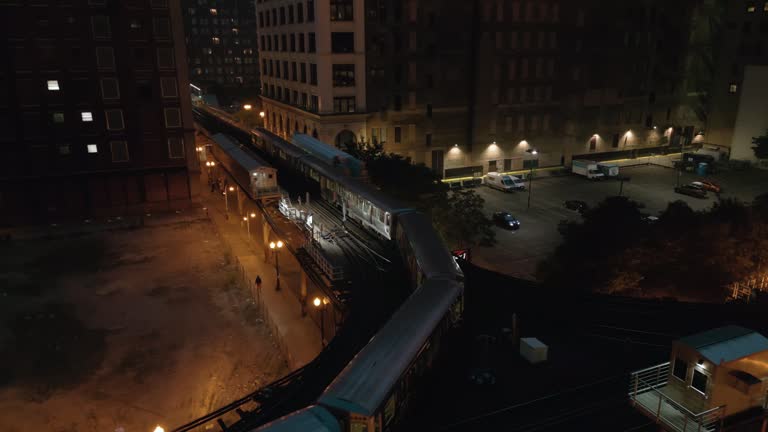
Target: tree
760	146
687	254
460	219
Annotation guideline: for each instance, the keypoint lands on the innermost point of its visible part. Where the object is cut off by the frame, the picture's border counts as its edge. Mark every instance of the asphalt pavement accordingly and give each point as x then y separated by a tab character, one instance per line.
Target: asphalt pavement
518	253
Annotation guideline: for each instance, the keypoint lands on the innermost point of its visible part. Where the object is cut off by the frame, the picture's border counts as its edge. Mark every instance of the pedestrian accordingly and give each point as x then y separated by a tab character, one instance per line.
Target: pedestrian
213	186
258	283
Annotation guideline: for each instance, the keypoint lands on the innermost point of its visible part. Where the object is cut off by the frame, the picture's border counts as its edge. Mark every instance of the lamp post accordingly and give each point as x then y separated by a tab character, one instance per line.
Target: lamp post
226	199
321	304
247	220
247	107
275	247
534	152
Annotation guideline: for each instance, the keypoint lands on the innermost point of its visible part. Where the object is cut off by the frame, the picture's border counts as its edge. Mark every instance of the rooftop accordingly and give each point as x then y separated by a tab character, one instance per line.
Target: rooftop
726	344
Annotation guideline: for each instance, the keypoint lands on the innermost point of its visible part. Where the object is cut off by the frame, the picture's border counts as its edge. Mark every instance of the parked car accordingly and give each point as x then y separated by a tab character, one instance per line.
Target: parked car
691	191
576	205
649	219
707	186
506	220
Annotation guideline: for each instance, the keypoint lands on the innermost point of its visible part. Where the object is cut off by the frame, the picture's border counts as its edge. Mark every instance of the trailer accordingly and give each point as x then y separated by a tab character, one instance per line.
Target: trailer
609	169
588	169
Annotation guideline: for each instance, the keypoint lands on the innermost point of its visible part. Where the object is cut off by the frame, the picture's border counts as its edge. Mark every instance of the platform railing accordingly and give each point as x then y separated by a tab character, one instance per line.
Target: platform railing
646	392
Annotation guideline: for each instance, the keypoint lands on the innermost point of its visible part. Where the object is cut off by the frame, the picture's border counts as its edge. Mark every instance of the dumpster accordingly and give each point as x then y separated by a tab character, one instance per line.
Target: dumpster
702	169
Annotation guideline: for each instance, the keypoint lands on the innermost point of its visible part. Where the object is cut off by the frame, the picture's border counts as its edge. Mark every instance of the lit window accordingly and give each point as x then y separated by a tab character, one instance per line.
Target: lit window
750	7
215	40
733	88
765	7
58	117
53	85
86	116
214	12
93	148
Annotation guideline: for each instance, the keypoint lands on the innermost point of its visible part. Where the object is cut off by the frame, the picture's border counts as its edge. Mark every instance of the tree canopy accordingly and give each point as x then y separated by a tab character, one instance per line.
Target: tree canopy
458	216
685	254
760	146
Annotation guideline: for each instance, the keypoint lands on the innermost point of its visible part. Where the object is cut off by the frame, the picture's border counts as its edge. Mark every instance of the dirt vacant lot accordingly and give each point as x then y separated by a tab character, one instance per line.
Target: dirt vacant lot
125	329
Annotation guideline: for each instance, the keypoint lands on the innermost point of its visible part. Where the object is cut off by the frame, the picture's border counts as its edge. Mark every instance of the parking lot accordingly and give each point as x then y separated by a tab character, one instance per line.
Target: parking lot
518	253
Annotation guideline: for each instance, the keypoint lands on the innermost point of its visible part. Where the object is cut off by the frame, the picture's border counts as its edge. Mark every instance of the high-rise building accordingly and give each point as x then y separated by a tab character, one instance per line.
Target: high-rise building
95	116
221	44
469	87
728	74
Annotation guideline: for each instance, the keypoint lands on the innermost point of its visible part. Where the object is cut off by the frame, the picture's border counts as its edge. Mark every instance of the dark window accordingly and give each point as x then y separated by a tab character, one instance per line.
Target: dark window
507	164
275	43
699	381
313	74
398	134
261	19
285	70
313	104
649	121
282	15
429	110
293	42
277	69
342	42
301	42
311	40
300	13
593	143
343	75
341	10
428	140
681	368
284	39
651	97
274	16
397	103
615	141
492	166
290	14
293	71
311	11
303	69
344	104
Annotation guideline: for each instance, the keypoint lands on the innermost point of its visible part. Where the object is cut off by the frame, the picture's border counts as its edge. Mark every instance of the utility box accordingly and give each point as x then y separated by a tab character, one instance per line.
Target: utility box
533	350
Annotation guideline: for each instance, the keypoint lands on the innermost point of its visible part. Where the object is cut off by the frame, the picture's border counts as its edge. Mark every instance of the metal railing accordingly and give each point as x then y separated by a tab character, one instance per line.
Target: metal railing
334	273
645	391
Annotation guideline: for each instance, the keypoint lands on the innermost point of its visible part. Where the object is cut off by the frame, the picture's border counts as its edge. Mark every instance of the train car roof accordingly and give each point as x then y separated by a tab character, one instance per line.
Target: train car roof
286	146
369	378
247	160
428	248
310	419
315	146
377	197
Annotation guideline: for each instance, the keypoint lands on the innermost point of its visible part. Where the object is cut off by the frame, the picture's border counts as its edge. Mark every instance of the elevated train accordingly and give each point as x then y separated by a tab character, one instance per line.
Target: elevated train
372	392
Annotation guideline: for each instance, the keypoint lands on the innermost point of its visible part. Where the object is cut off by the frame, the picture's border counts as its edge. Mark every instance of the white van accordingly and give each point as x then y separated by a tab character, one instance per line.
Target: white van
503	182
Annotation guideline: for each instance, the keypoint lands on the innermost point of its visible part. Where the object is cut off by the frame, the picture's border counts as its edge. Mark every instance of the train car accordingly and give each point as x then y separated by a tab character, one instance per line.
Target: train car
373	390
330	155
310	419
423	251
253	174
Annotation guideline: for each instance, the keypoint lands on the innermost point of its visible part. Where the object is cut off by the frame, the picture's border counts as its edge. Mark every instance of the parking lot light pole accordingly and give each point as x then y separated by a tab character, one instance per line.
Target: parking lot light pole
530	176
226	199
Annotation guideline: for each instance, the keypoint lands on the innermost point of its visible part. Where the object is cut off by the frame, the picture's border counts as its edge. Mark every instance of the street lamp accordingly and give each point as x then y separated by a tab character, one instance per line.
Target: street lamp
321	304
158	428
275	247
534	152
247	107
248	222
262	114
226	199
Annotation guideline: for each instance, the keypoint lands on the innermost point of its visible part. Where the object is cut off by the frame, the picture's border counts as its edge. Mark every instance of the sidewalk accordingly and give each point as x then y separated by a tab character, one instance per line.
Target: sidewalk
298	337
